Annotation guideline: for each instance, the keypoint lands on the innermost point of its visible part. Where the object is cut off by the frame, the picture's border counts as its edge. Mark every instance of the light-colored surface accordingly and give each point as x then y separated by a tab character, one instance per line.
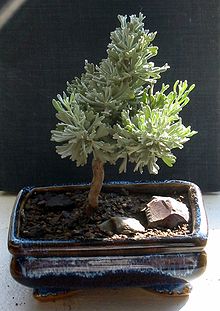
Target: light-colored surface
204	297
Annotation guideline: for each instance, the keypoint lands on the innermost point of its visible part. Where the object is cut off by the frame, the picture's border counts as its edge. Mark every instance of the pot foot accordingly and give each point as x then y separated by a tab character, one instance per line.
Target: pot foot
50	294
171	286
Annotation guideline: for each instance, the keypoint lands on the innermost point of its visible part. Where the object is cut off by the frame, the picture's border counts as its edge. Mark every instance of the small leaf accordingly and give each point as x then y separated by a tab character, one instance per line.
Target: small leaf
169	160
57	105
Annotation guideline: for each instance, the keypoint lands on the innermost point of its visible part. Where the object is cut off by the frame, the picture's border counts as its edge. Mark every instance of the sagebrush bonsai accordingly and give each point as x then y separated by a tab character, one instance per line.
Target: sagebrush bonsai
113	113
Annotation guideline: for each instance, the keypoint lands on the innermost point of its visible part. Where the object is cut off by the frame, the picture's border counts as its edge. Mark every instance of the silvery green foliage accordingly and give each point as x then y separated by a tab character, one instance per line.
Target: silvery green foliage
154	130
112	113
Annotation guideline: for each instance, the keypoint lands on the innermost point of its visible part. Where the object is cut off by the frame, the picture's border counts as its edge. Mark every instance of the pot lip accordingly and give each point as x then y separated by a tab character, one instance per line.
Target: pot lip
195	241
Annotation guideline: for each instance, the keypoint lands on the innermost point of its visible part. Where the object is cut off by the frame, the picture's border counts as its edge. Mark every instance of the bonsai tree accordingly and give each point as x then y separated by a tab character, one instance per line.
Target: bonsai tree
113	113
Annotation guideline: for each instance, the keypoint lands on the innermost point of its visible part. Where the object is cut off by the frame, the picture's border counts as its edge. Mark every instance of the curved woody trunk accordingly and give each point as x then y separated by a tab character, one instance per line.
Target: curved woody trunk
96	185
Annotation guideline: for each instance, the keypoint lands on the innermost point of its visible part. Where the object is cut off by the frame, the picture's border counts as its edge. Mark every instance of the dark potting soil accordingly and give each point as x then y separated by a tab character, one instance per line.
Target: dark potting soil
62	216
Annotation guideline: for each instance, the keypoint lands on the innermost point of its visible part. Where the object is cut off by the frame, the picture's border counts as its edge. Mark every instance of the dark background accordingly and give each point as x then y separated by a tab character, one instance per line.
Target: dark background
45	44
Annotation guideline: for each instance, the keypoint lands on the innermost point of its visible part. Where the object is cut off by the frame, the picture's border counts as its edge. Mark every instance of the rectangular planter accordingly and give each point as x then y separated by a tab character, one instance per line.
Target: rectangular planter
162	264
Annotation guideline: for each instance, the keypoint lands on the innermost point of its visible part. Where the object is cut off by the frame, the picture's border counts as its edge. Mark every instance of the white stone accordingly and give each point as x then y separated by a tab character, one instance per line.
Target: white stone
119	225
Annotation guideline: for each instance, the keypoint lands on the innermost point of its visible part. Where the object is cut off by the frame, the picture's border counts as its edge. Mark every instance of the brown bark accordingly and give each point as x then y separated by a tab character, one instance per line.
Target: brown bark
96	185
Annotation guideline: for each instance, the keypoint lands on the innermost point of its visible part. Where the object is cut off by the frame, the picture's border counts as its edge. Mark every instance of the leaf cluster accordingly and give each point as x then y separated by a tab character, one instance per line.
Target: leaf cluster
112	112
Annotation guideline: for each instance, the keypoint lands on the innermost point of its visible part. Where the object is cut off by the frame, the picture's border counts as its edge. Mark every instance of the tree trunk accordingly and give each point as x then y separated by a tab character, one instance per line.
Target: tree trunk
96	185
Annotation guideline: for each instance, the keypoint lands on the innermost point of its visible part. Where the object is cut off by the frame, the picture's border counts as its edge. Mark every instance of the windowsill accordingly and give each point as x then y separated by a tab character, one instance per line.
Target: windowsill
204	296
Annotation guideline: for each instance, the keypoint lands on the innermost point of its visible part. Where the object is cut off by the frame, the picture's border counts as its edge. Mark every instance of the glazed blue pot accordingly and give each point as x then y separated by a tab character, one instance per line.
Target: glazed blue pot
162	264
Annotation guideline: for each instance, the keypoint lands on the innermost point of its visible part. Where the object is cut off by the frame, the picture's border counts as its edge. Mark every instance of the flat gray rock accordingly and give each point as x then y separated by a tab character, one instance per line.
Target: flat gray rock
125	225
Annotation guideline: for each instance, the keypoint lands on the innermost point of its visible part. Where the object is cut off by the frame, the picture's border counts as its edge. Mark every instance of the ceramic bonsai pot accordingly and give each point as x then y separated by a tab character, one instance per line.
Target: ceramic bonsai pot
163	264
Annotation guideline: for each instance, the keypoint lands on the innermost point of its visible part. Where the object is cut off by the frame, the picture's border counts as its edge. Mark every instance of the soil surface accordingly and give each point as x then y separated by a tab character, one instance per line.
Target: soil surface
61	216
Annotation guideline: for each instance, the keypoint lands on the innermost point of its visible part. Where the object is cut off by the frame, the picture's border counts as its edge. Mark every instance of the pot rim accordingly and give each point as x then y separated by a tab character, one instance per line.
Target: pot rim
193	242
